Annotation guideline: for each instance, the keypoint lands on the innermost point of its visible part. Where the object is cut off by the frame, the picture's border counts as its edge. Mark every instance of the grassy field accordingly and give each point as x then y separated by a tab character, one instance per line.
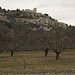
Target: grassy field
36	62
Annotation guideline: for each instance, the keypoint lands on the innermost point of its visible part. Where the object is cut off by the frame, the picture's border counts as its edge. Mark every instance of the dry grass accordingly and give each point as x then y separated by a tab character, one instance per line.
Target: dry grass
36	62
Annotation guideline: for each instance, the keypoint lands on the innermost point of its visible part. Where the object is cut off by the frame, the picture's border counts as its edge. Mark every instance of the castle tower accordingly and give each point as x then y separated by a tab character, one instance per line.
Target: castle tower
35	10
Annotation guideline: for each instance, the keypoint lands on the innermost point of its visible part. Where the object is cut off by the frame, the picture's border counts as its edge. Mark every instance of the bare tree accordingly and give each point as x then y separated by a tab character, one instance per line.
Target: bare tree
16	43
46	52
45	40
58	41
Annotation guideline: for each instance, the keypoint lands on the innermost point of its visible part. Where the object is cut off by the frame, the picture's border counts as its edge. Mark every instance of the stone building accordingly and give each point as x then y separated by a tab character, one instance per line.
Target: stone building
3	17
61	24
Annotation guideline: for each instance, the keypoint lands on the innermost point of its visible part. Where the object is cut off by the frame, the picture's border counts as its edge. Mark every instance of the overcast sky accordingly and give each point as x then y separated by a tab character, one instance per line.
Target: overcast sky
62	10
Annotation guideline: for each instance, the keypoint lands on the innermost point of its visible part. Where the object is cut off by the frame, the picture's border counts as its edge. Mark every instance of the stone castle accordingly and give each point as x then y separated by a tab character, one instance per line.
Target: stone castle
34	10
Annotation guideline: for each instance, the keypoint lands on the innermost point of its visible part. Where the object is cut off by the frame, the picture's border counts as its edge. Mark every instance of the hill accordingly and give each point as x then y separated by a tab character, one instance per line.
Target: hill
21	30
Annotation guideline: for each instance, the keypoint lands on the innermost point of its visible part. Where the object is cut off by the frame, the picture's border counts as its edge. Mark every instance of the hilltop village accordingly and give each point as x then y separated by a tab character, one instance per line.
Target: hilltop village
31	18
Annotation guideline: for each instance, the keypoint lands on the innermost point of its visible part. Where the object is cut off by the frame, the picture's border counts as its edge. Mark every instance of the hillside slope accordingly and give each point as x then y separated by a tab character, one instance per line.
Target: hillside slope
21	30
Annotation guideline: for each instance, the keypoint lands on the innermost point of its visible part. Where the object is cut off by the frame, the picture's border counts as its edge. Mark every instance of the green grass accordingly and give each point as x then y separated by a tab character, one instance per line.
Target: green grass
36	62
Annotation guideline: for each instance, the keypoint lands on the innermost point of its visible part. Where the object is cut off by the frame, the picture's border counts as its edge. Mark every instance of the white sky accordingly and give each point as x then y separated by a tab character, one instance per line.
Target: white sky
62	10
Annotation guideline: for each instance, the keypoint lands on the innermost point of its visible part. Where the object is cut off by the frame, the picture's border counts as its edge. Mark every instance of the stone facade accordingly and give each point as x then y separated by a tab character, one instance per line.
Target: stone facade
61	24
3	18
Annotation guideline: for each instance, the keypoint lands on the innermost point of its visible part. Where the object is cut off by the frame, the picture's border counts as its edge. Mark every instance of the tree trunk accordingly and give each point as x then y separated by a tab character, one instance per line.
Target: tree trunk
46	52
12	53
0	51
57	56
